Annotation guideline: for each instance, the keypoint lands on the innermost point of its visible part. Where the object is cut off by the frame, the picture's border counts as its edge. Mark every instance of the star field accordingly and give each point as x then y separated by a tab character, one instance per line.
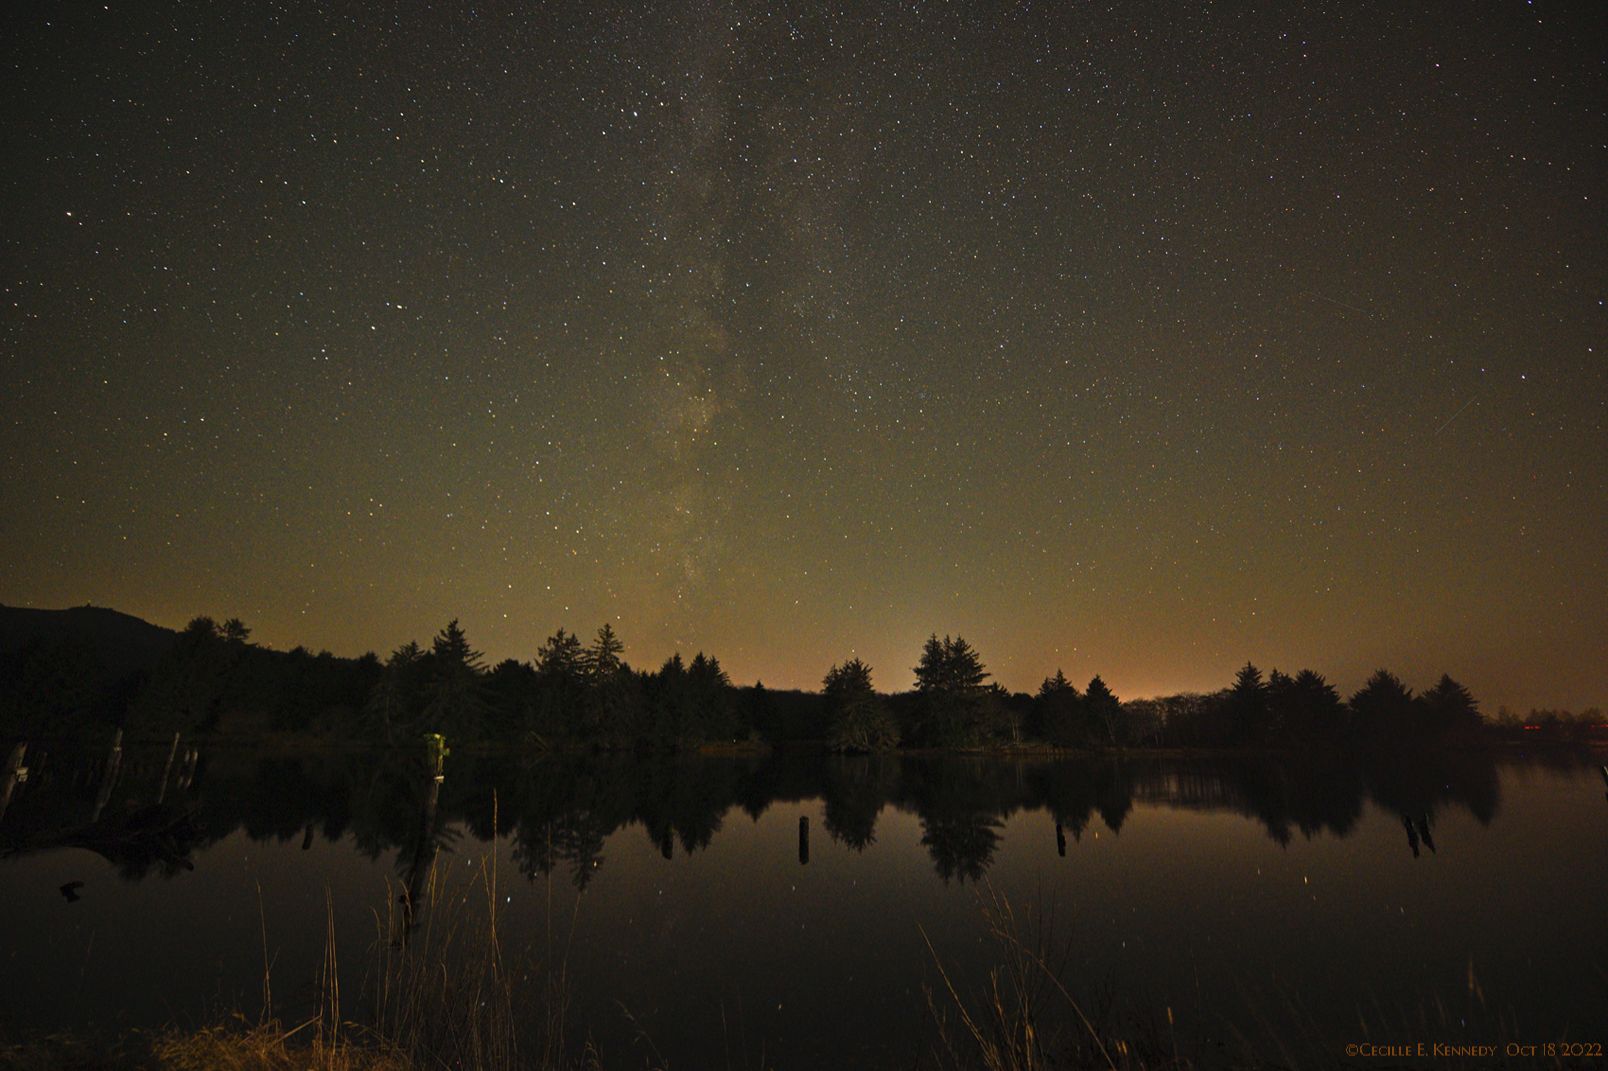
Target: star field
1133	340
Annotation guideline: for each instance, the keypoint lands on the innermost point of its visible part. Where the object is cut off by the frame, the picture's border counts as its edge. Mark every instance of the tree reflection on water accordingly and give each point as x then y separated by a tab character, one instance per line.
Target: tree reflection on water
560	811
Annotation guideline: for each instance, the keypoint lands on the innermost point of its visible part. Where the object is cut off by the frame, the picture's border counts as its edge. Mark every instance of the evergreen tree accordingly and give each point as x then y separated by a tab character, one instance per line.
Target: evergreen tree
235	631
561	683
562	658
1247	705
1316	709
1384	705
670	704
758	710
395	704
714	709
857	719
950	666
1105	711
454	697
187	687
1058	713
1281	702
512	690
956	709
1450	707
602	658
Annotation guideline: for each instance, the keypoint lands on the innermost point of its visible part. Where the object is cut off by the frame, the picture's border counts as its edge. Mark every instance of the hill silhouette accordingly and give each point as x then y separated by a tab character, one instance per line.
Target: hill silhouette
119	643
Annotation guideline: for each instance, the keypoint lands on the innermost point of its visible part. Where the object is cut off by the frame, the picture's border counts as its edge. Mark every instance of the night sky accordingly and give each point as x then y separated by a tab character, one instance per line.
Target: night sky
1137	340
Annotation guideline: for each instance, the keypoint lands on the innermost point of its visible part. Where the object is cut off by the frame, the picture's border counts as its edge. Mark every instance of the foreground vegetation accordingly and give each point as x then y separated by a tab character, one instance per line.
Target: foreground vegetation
1024	1014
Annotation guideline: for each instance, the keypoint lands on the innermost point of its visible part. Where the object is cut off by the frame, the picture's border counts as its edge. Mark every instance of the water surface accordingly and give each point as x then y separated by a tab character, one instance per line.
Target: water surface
720	910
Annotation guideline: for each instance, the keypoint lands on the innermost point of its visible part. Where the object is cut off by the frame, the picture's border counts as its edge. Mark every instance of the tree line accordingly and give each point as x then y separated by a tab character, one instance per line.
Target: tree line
583	693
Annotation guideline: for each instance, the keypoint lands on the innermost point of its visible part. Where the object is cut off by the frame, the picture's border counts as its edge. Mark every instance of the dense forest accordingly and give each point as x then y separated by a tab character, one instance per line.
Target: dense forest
210	678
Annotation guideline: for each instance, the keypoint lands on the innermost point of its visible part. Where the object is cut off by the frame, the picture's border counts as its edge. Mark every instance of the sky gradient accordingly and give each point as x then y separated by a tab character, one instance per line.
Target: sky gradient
1138	341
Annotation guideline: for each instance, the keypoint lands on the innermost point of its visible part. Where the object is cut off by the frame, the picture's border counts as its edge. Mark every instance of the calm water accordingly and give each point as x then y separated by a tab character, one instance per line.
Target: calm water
1282	902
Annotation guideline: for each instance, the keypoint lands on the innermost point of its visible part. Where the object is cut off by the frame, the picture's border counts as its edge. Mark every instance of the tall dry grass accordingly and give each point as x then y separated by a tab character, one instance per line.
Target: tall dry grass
442	991
1026	1018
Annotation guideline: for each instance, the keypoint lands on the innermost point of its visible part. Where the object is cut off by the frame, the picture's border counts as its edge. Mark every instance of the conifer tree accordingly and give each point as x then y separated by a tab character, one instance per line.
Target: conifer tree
1058	713
1104	710
857	718
454	697
602	659
956	708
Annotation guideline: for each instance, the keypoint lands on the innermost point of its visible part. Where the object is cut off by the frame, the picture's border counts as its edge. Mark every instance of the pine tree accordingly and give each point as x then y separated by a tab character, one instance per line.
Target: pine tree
602	658
713	705
561	685
1450	706
1058	713
1384	705
454	698
956	707
394	704
1247	705
857	719
561	657
1104	710
1318	708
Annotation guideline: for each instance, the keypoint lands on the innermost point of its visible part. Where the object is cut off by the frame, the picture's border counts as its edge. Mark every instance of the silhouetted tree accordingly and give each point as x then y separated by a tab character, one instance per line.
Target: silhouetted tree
856	717
396	703
1314	708
1280	699
454	695
512	688
561	686
1449	707
602	658
1383	705
757	708
1142	720
670	704
955	708
1059	716
1247	705
714	707
562	656
235	631
950	665
613	707
186	690
1105	710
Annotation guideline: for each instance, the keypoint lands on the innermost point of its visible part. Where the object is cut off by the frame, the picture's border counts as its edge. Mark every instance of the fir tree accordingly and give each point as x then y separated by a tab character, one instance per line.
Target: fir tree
856	717
454	697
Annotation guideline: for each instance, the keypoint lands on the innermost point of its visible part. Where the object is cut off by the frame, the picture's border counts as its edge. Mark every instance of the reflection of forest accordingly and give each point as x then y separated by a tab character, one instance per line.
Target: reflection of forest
559	813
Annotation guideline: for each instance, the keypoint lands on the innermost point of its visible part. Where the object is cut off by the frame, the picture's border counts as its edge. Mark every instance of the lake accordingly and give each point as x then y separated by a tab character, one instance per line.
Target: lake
794	910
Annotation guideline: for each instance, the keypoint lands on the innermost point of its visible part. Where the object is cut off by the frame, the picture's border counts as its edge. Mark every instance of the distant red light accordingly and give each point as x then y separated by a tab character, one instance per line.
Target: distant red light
1531	728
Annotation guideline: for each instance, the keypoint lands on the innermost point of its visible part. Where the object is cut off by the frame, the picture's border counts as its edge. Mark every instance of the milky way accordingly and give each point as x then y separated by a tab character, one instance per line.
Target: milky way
1137	341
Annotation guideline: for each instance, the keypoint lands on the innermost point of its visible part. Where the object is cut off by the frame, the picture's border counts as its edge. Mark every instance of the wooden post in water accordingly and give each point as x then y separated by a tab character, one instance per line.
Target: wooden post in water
11	775
1060	841
307	837
426	847
804	840
161	793
114	765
